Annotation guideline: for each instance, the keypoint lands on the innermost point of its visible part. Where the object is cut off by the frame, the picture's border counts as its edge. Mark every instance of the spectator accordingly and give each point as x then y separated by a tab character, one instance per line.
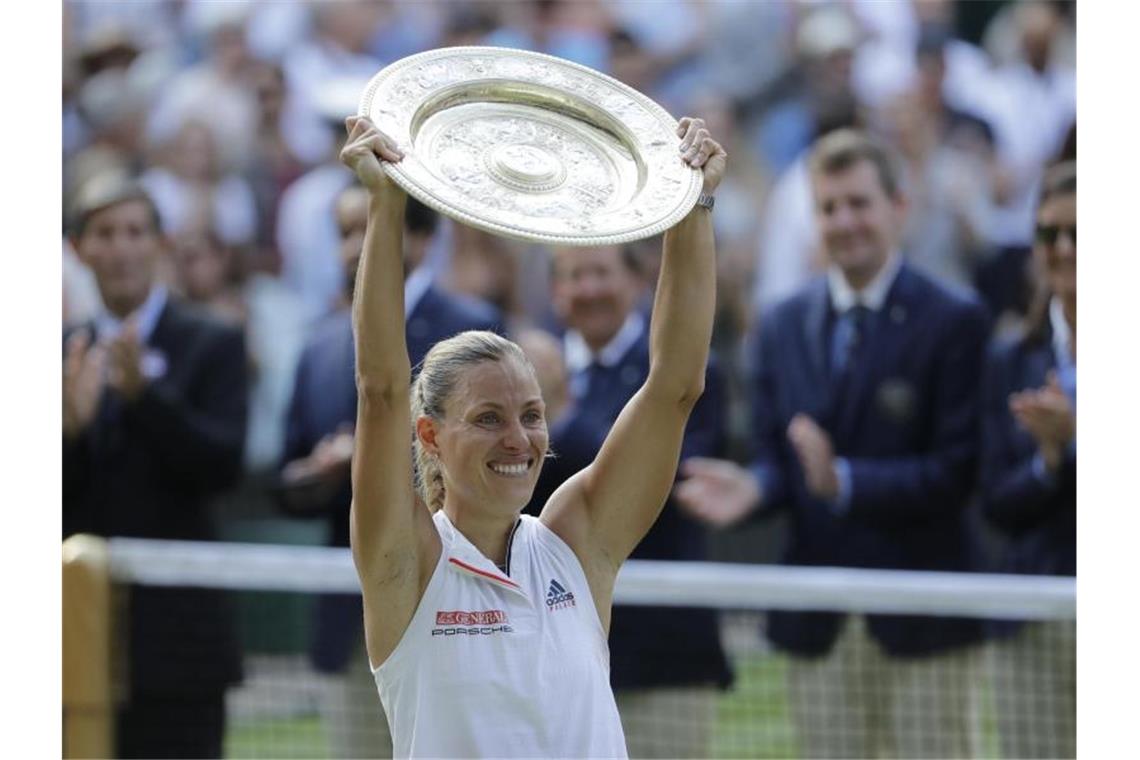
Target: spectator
1029	484
865	426
319	445
820	96
277	161
193	188
154	410
679	667
204	273
485	267
214	91
948	192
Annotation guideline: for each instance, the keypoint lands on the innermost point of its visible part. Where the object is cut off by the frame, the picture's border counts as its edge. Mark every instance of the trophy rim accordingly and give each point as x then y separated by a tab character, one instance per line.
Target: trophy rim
425	194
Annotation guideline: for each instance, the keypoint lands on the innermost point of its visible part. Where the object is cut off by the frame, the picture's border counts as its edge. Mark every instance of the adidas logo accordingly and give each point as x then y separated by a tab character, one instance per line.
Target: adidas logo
557	597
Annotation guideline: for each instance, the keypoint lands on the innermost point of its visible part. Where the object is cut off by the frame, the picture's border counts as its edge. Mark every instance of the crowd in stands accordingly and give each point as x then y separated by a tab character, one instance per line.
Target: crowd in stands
210	237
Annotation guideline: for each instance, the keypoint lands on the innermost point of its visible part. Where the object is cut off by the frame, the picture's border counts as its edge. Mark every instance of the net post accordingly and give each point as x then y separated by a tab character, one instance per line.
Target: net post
87	698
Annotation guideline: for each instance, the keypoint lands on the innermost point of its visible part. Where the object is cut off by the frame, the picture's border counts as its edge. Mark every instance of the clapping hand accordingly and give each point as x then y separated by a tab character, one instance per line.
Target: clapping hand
84	372
813	448
1048	415
717	492
329	460
124	355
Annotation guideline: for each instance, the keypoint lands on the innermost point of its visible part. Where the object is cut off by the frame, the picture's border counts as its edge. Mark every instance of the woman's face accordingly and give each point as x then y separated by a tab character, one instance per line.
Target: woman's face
493	437
1056	244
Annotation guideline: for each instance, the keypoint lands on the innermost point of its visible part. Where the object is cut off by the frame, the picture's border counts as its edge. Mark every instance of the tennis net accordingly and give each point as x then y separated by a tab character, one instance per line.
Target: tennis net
1011	695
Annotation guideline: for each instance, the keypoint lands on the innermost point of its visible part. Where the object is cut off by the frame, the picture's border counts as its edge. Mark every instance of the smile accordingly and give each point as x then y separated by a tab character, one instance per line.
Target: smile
511	470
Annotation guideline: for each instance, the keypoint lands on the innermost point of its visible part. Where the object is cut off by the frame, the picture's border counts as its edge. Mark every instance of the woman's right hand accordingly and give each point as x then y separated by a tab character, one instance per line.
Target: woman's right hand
366	146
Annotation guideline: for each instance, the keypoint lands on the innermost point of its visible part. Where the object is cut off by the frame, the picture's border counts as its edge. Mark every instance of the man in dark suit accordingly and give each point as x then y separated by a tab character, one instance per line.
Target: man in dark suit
318	452
1029	485
663	661
154	414
865	421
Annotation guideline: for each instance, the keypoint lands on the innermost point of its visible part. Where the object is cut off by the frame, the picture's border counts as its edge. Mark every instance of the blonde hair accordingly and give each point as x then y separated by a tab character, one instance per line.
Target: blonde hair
439	374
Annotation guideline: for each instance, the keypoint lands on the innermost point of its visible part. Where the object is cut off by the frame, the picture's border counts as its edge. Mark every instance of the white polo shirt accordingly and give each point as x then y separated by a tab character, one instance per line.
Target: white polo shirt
496	665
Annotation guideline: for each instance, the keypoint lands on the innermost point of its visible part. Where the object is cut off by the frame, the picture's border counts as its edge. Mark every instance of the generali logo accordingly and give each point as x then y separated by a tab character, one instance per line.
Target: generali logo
457	617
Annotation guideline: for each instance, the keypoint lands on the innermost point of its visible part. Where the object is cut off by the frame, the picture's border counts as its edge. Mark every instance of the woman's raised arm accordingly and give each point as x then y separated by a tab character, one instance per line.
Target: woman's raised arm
605	510
391	532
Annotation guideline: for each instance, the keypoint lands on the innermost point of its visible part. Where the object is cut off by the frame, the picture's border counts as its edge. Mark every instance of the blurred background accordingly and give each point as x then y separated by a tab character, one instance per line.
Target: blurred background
231	113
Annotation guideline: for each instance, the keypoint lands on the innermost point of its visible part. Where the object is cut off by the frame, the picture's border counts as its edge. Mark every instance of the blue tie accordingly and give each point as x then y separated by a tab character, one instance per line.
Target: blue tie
588	381
848	339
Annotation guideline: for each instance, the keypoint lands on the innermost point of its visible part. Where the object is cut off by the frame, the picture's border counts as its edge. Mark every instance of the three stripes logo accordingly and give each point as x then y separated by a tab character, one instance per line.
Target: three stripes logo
557	597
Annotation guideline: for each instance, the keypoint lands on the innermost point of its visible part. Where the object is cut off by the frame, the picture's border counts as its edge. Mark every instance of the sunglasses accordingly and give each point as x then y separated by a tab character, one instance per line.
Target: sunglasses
1050	234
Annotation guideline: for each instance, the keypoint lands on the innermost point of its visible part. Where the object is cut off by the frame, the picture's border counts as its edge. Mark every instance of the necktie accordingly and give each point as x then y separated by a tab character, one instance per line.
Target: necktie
848	340
588	381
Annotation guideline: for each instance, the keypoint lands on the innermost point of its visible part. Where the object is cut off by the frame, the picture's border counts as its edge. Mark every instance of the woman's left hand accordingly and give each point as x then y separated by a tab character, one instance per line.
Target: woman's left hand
702	152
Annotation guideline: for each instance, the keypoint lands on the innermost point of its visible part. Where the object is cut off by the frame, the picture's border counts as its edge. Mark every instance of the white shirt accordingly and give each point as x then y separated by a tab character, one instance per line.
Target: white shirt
496	665
579	355
1062	333
873	295
108	326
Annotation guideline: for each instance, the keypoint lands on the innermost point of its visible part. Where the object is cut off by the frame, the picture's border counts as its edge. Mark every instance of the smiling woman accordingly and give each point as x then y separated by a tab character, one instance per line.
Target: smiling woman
453	407
494	620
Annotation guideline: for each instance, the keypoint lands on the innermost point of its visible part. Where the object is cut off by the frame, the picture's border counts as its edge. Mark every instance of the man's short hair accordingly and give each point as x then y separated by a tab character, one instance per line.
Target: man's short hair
106	189
838	151
1060	179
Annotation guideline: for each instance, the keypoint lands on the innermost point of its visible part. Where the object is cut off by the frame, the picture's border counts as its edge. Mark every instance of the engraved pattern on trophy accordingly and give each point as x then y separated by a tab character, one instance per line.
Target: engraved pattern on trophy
531	146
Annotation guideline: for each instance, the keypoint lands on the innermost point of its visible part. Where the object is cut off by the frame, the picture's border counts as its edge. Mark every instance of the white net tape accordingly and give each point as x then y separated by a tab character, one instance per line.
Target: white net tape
261	567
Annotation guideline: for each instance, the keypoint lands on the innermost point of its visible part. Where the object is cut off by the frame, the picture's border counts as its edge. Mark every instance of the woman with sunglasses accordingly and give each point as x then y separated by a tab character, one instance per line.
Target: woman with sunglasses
1029	468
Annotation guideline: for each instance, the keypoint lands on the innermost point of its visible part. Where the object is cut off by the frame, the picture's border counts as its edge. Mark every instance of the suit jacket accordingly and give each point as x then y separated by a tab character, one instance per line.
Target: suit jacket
324	398
649	646
1039	520
907	422
147	470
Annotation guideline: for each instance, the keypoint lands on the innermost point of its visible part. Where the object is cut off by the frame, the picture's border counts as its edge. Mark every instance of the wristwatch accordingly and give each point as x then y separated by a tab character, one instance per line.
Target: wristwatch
704	200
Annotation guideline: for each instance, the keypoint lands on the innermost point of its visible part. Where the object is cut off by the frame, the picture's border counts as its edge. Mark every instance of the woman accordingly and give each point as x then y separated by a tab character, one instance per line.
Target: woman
1029	483
486	630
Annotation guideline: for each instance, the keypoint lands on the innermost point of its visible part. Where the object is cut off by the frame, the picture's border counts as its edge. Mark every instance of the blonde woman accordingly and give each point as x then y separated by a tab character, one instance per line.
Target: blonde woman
486	630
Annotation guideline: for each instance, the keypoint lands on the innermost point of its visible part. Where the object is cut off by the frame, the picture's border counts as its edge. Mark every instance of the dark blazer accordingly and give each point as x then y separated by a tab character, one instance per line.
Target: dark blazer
324	398
907	422
1038	520
649	646
147	470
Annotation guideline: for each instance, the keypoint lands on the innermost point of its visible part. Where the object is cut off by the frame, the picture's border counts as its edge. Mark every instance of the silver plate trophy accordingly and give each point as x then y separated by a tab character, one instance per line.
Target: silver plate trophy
531	146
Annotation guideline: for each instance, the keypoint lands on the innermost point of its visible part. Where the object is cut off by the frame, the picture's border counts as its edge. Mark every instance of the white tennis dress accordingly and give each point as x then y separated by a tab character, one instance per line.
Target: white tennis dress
493	665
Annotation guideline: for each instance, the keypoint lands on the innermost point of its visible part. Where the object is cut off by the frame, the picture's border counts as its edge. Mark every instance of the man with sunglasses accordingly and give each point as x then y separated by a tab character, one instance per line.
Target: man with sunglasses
1029	483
